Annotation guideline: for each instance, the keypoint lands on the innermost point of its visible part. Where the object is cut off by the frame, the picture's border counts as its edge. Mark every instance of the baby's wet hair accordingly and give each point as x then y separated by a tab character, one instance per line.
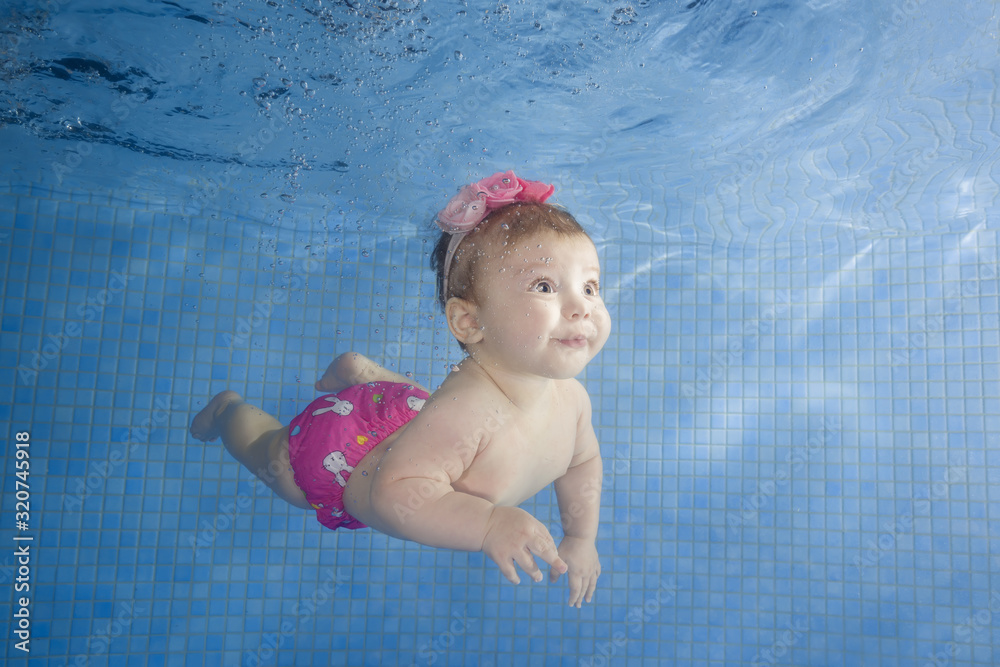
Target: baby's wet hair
504	226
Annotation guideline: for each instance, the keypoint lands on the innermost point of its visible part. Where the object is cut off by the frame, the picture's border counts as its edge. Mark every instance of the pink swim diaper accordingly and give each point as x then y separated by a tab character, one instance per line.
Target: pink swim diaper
334	433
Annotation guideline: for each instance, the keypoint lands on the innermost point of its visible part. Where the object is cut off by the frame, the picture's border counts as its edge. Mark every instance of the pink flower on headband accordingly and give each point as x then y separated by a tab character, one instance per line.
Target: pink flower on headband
468	208
464	211
501	189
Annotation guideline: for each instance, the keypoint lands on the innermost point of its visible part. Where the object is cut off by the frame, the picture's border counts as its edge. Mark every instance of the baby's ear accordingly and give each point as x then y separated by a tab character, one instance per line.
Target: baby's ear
462	320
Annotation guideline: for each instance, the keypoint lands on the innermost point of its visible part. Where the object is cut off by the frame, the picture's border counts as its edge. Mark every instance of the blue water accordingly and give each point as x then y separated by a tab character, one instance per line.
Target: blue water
796	210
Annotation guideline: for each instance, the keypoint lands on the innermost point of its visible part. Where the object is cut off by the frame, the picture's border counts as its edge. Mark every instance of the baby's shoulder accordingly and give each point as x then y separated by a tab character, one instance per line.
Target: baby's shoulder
576	394
464	393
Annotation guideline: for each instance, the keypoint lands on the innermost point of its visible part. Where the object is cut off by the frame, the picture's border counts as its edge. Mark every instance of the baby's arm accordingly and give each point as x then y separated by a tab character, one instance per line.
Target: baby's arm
413	496
579	495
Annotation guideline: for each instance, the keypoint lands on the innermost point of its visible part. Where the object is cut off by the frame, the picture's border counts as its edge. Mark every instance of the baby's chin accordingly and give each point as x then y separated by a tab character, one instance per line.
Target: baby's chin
563	371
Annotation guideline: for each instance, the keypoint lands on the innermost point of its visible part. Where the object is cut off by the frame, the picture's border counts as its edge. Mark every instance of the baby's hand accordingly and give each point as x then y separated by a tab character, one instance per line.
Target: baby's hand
584	569
512	536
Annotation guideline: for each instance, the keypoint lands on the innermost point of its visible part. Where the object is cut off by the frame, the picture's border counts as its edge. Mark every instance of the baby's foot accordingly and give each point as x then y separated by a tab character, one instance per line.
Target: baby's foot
205	425
345	371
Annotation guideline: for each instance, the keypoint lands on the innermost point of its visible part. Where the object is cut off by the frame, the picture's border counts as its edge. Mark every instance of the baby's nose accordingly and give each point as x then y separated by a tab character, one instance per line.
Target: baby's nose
576	306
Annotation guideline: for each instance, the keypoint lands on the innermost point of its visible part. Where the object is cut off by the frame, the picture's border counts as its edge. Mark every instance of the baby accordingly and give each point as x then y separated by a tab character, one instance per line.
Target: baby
519	283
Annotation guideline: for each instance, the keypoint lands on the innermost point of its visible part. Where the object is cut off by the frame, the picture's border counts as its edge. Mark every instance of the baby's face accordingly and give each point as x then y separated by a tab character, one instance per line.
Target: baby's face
539	306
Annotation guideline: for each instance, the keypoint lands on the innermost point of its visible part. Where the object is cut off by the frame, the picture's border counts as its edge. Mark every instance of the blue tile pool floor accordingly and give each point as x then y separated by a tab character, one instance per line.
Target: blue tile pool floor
802	451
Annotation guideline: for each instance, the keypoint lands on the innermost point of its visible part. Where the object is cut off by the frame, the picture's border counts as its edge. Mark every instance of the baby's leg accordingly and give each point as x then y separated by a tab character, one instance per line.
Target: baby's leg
353	368
254	438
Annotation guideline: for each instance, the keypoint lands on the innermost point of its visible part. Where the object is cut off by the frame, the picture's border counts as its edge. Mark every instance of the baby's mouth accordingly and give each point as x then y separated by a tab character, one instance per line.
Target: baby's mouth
574	341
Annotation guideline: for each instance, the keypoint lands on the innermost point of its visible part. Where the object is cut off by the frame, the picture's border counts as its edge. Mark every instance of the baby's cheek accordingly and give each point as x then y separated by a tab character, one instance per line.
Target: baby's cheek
604	322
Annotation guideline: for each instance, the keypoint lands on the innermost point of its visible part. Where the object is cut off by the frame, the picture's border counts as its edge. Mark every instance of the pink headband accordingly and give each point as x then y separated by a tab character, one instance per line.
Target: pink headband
473	202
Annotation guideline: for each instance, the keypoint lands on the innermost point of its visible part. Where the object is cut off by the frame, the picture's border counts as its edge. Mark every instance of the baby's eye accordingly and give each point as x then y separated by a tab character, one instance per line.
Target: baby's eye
591	289
543	287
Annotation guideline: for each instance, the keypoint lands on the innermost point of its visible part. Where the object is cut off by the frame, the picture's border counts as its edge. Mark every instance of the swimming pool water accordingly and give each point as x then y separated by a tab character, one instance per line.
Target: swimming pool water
799	407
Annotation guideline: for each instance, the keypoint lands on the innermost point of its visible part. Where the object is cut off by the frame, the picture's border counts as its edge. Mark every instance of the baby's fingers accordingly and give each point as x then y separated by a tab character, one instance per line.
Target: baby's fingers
546	549
574	590
581	589
589	595
528	564
508	570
